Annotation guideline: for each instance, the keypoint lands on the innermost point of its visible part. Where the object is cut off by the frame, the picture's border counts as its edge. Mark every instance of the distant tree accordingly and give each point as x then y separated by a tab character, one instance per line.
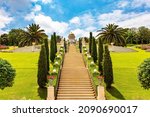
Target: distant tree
4	39
58	38
65	45
86	39
90	43
7	74
107	68
80	45
52	49
144	74
144	34
42	68
94	50
131	36
34	34
16	36
47	52
100	56
112	33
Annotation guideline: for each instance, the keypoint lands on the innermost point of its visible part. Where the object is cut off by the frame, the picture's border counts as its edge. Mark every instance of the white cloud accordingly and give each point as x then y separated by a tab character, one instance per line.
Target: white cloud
49	25
43	1
47	1
138	3
4	18
37	8
131	19
122	4
31	15
75	20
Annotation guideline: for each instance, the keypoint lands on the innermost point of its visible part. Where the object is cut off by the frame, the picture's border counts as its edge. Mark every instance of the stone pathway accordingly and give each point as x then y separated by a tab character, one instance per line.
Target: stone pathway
75	83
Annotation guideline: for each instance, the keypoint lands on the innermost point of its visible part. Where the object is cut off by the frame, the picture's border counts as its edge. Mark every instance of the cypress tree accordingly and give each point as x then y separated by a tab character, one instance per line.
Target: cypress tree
52	49
47	52
90	43
42	68
65	45
94	50
80	45
100	56
107	67
55	42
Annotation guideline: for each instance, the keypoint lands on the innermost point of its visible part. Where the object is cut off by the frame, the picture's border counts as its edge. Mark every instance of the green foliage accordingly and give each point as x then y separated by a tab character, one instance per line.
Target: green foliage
113	33
65	45
47	52
144	74
42	68
80	45
33	34
16	36
55	42
4	40
100	56
90	43
94	50
7	74
52	49
107	67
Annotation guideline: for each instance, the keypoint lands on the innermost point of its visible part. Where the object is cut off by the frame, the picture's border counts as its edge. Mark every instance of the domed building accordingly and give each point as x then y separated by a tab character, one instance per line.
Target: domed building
71	38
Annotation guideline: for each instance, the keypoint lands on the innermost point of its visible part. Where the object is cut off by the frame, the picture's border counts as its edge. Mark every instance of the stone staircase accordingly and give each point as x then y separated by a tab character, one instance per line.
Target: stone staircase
75	83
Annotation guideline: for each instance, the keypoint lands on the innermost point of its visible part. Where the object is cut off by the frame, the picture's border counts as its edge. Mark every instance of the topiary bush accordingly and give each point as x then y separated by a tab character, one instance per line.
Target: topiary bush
7	74
144	74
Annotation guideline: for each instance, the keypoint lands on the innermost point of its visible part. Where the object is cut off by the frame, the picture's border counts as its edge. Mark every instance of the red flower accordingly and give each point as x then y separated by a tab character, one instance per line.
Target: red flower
50	77
100	77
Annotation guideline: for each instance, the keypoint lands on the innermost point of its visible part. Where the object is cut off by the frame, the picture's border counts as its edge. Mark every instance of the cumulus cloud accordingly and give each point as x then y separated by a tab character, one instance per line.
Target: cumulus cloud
122	4
49	25
138	3
31	15
37	8
75	20
131	19
43	1
5	18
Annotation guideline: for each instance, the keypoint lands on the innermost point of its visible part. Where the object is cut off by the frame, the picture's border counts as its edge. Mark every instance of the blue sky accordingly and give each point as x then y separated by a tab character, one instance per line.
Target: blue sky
77	16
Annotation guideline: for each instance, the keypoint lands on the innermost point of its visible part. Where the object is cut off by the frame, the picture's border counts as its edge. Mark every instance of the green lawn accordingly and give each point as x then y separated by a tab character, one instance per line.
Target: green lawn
126	84
25	84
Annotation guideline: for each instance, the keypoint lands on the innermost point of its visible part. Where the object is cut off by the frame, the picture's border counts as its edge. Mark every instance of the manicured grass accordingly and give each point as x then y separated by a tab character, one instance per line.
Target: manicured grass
25	84
126	84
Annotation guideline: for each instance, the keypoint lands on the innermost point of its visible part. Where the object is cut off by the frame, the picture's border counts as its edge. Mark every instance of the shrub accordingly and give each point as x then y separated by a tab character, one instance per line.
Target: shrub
107	67
144	74
42	68
7	74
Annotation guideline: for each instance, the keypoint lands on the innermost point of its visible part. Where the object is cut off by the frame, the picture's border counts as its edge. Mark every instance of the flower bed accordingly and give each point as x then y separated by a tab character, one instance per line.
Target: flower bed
92	68
56	71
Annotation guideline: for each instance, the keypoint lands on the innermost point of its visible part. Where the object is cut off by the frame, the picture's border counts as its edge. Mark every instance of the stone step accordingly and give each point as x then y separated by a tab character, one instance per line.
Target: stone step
75	95
79	97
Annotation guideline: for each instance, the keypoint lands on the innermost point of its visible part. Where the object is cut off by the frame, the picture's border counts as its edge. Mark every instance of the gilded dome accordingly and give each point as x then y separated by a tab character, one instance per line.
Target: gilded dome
71	36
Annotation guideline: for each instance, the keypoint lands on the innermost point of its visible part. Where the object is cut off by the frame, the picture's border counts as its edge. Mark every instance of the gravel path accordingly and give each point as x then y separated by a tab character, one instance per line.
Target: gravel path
120	49
27	49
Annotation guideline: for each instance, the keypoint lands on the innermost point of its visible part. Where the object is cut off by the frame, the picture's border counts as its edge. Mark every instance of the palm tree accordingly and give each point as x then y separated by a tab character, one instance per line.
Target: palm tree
33	35
112	34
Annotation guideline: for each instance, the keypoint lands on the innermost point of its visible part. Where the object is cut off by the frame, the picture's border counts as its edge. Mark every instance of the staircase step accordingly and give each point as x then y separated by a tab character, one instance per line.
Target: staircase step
69	97
64	94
